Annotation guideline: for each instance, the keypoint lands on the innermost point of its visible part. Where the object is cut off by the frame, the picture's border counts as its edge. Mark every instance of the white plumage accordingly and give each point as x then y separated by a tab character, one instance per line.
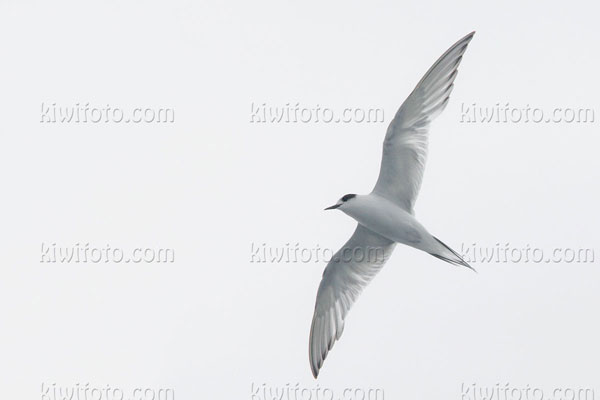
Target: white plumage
385	216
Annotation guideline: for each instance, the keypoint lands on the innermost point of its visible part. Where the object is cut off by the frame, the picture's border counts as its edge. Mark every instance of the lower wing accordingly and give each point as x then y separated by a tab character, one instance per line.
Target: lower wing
344	278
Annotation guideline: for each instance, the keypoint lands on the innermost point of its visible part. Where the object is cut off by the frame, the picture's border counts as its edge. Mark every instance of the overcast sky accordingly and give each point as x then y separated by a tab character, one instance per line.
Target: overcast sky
212	184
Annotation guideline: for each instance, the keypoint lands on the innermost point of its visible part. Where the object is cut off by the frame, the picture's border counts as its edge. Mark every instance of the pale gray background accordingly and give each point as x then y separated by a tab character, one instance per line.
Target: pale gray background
212	183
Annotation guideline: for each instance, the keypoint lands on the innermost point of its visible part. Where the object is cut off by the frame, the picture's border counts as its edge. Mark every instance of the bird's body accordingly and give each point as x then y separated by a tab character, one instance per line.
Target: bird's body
394	223
385	216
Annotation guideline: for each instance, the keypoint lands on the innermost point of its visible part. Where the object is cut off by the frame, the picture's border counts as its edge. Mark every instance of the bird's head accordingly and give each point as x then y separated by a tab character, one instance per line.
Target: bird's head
343	202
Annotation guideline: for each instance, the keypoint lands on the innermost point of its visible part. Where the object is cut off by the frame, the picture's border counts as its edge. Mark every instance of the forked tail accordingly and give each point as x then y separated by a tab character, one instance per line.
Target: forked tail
451	256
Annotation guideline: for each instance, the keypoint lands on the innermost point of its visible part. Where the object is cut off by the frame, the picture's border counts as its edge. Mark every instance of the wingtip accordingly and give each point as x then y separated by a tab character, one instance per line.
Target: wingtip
314	368
467	38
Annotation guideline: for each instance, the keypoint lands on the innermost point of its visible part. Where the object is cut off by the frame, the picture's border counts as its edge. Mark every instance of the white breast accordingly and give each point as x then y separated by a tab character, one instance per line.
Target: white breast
387	219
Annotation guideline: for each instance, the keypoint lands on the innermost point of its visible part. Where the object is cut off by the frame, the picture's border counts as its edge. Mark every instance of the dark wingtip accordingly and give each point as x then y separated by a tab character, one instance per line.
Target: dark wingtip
467	37
314	368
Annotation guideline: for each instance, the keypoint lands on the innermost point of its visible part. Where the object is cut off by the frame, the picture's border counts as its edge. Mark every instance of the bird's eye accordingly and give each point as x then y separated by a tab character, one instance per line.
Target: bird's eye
348	197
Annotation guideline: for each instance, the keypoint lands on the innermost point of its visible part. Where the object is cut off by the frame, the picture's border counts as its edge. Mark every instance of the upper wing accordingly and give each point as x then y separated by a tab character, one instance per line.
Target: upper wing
348	272
405	145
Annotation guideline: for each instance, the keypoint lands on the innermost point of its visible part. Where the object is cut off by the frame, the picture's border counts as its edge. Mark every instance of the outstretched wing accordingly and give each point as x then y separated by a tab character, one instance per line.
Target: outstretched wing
405	145
348	272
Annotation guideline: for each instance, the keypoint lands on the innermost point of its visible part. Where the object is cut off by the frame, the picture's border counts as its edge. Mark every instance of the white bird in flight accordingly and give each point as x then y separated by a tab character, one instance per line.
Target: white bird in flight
385	216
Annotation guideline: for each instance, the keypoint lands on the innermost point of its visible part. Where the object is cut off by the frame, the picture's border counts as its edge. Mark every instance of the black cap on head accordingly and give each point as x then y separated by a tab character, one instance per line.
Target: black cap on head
348	197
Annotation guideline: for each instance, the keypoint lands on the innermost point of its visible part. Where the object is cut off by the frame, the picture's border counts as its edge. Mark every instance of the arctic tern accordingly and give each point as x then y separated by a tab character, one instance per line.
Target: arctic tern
385	216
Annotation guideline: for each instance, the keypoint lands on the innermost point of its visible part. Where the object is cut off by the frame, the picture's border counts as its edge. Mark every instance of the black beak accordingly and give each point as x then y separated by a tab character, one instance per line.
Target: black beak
333	207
